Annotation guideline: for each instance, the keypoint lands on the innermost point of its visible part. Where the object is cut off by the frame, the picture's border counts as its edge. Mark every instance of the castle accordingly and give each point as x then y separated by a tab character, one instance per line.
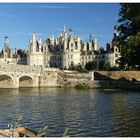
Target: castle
61	52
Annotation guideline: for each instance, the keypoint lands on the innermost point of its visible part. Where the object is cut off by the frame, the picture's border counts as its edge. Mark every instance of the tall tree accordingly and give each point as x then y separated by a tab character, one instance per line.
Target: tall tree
129	35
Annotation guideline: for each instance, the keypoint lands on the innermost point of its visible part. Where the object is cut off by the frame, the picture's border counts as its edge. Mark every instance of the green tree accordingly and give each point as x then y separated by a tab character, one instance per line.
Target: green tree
106	66
101	65
78	67
129	35
91	65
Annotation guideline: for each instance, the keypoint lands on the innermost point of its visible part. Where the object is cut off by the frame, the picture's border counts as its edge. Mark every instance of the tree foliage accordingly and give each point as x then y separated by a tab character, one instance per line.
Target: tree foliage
129	35
91	65
101	66
77	67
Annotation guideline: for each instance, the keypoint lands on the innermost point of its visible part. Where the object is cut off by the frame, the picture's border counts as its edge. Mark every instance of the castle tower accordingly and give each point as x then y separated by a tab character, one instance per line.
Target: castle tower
64	29
90	42
65	38
96	45
90	37
35	55
52	40
6	49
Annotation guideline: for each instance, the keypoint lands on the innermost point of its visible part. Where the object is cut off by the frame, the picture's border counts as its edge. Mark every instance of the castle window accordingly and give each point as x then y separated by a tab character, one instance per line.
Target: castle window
76	47
71	44
37	47
71	50
71	62
71	56
87	47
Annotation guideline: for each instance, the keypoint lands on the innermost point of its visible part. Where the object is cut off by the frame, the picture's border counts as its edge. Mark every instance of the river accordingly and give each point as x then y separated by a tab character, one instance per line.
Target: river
86	113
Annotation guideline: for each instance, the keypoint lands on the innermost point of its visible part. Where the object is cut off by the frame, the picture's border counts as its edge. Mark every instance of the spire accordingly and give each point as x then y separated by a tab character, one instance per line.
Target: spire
34	36
6	44
64	29
90	37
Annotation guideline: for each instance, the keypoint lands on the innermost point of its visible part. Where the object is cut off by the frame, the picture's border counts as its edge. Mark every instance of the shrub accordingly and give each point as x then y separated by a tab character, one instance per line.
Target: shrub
82	86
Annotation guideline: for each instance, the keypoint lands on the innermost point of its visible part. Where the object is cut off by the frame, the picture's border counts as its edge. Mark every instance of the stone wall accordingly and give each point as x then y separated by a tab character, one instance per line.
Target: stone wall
15	76
115	84
72	78
48	78
129	75
6	83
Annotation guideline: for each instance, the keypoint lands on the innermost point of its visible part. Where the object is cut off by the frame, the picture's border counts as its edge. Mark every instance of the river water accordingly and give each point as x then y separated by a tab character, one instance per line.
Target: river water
86	113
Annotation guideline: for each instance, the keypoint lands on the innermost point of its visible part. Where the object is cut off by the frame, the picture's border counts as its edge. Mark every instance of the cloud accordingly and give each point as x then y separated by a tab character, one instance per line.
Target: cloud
52	7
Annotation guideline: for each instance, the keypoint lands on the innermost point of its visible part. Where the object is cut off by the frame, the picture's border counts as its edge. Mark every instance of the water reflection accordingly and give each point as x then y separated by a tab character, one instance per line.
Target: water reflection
87	113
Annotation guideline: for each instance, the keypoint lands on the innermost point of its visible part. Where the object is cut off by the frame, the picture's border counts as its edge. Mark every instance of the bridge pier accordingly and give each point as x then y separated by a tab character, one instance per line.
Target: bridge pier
36	81
15	82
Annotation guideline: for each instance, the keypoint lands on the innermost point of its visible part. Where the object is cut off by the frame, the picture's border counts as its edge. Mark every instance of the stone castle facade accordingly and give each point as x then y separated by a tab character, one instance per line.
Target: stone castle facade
67	50
61	52
12	56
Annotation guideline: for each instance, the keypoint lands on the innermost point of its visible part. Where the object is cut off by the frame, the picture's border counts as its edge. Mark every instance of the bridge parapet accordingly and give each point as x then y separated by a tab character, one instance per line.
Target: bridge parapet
19	74
19	68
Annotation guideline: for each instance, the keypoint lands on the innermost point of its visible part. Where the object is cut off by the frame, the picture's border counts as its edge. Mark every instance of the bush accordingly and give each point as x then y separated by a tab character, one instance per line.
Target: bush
77	68
82	86
91	65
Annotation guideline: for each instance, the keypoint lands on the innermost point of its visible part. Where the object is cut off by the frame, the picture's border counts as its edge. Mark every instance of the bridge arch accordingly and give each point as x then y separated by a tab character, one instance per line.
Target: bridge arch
25	81
6	81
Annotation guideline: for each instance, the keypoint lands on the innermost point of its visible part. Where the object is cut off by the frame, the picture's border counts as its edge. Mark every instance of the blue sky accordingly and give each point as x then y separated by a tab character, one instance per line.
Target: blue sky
19	20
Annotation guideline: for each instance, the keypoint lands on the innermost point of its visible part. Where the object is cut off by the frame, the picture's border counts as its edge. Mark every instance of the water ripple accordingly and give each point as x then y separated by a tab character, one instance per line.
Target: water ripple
92	113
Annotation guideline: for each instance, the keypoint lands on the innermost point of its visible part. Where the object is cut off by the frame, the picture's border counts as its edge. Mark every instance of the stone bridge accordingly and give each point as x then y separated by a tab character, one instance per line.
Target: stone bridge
15	76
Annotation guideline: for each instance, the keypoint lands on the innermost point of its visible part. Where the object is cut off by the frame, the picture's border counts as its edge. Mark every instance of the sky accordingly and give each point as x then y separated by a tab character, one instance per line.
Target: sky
19	20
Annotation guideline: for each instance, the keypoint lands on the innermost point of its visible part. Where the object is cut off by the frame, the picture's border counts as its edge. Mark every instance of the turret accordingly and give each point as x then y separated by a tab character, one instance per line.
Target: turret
96	45
64	30
35	43
6	49
90	38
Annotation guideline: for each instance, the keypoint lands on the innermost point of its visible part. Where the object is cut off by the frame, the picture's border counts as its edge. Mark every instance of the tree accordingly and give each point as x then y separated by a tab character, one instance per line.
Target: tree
72	67
129	35
77	67
101	65
107	66
91	65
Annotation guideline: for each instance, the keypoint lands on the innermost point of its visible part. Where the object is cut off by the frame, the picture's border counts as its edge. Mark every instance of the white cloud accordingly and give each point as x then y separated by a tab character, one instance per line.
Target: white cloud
52	7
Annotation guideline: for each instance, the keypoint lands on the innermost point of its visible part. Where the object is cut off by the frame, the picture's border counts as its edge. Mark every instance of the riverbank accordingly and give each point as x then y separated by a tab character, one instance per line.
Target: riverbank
19	76
105	80
115	84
